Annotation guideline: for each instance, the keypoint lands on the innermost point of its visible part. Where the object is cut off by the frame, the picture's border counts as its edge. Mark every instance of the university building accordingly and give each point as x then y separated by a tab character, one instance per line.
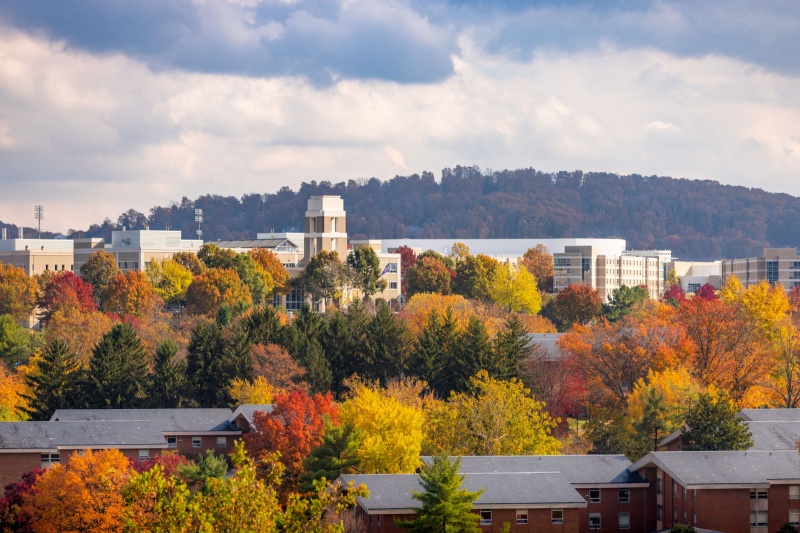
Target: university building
778	266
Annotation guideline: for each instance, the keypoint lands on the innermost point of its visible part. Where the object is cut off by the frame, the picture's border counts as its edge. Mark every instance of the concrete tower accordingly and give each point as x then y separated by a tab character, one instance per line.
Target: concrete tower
325	227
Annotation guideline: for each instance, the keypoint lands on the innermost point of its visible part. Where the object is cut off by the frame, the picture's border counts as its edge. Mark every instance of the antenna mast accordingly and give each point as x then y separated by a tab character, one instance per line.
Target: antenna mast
198	217
38	214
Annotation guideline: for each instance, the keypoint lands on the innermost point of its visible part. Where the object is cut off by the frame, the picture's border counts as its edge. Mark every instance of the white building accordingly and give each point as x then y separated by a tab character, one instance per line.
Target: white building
133	249
695	274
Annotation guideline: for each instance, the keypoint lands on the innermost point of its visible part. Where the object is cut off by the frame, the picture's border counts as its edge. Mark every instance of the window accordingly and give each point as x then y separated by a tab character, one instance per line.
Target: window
624	520
794	492
557	516
136	265
772	271
794	517
794	265
674	515
594	495
758	494
758	518
486	517
684	516
561	262
694	518
660	513
197	442
144	453
172	442
222	442
594	520
522	516
392	267
393	285
624	495
674	488
50	459
684	493
126	264
694	494
660	488
47	267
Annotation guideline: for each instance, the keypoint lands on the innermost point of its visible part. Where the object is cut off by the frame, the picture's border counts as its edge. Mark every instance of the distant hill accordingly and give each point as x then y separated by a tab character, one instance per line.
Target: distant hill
699	220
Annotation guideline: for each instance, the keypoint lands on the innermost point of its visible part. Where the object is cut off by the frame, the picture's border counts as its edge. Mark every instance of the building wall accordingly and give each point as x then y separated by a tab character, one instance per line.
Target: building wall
13	465
539	520
35	262
207	442
610	507
750	271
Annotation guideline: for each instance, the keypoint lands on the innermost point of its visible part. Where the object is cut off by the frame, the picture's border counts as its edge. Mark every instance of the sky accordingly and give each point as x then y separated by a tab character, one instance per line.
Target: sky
107	106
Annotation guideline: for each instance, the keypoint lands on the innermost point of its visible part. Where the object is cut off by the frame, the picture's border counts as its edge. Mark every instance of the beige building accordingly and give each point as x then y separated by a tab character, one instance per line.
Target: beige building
778	266
585	265
134	249
695	274
36	256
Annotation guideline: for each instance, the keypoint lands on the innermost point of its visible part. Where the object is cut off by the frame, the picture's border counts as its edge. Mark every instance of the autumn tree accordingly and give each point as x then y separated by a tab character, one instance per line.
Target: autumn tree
446	505
407	259
98	271
118	375
257	280
130	294
256	391
786	371
515	289
64	290
326	277
494	418
170	280
391	433
13	517
277	366
273	266
764	304
712	424
14	395
539	262
295	425
212	256
458	252
366	270
16	342
214	288
577	304
78	330
706	292
189	261
428	275
81	496
18	292
55	381
472	280
674	295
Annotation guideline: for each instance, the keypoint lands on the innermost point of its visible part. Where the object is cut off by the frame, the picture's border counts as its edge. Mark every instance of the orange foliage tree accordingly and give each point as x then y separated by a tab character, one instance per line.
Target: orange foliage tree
270	262
728	350
83	495
296	423
130	294
81	331
18	292
214	288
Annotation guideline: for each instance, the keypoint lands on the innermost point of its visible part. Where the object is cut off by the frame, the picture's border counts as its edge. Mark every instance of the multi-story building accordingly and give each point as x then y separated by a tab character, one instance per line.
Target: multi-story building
778	266
36	256
695	274
586	265
134	249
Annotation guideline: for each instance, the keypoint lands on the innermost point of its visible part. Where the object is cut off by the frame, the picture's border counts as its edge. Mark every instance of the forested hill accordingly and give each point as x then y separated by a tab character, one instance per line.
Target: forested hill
695	219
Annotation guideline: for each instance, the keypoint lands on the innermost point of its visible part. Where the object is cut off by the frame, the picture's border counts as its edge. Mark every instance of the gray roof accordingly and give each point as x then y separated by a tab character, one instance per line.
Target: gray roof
774	415
52	435
546	344
247	410
774	435
748	468
168	420
393	491
577	469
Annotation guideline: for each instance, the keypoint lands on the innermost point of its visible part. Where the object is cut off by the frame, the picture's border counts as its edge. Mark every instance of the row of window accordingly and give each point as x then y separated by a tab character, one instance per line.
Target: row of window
623	495
50	459
55	267
197	442
124	265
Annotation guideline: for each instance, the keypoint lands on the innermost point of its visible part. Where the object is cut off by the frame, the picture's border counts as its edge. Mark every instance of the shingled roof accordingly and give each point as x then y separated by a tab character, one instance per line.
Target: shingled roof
15	436
393	492
726	469
771	415
168	420
586	470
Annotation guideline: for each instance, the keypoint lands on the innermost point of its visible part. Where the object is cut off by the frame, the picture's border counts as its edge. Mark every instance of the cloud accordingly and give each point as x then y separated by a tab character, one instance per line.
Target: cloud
89	136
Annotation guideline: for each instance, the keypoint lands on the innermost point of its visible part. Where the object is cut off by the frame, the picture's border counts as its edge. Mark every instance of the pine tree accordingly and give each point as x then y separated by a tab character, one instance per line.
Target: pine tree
55	385
387	345
118	377
168	384
302	340
216	357
511	348
264	326
713	425
473	352
446	506
434	348
336	344
335	456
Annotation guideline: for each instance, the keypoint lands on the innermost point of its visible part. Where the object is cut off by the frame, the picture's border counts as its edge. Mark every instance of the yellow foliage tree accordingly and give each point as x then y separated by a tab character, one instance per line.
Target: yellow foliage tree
391	432
83	495
515	289
258	391
13	404
674	386
419	307
496	418
169	279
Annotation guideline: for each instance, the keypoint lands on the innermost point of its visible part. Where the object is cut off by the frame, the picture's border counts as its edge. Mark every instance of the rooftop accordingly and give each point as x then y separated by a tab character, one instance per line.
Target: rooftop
167	419
79	434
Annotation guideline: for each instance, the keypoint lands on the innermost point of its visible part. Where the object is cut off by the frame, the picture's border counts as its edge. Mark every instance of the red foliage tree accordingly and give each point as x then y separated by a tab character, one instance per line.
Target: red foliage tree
674	295
12	516
706	292
407	259
64	290
170	462
577	304
295	425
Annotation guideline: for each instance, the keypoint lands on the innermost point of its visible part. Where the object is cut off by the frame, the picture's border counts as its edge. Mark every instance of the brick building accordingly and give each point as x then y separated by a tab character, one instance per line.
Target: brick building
734	492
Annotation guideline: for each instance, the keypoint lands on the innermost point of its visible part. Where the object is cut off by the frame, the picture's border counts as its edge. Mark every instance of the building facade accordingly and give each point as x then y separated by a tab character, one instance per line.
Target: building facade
777	266
36	256
134	249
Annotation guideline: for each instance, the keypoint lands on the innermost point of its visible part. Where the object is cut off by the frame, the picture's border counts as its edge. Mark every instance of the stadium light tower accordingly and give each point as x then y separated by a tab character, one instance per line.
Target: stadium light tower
198	217
38	213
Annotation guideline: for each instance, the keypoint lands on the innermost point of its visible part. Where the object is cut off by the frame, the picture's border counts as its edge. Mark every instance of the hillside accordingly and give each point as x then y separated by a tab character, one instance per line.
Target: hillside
695	219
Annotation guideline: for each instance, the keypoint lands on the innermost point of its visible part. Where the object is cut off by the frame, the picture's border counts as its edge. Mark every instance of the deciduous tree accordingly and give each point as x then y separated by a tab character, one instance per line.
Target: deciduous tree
577	304
539	262
98	271
367	272
64	290
514	288
13	396
169	280
428	275
273	266
18	292
214	288
80	331
129	294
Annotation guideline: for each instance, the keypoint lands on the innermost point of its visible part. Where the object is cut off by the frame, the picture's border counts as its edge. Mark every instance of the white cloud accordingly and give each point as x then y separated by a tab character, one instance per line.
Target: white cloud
91	136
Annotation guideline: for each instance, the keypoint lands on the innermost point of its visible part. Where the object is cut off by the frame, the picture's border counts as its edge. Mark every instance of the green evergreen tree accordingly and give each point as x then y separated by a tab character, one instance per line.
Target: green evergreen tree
264	326
387	345
335	456
622	301
473	352
434	348
56	384
168	384
446	506
216	357
511	347
336	345
713	425
118	377
653	425
302	339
